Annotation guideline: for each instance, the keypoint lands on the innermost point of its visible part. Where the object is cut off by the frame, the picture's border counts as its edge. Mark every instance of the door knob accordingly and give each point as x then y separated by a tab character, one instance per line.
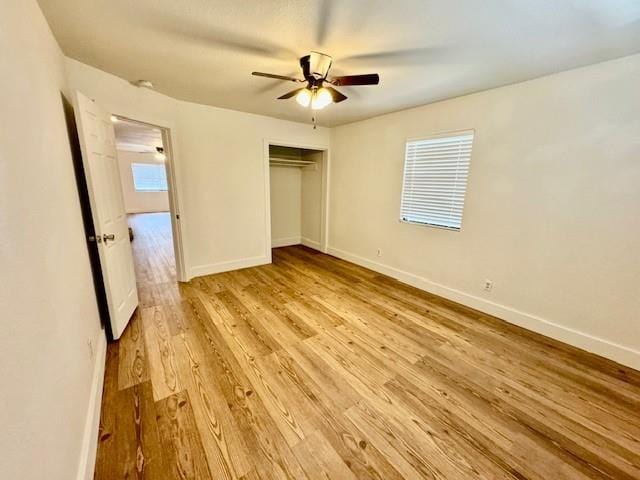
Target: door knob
106	237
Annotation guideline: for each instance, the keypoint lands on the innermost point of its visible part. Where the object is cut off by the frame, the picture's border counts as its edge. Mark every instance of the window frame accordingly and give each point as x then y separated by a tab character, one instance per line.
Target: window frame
454	133
149	164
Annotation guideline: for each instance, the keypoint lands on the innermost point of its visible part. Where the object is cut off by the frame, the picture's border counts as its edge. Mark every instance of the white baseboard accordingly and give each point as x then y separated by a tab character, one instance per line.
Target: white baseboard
284	242
307	242
87	462
220	267
619	353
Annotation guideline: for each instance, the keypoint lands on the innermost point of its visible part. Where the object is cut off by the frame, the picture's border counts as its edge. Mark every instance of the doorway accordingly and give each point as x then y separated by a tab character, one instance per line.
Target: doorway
146	178
298	195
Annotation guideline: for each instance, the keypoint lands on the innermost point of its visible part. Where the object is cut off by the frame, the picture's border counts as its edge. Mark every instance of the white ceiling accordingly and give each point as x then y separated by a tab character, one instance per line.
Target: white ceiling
136	137
205	50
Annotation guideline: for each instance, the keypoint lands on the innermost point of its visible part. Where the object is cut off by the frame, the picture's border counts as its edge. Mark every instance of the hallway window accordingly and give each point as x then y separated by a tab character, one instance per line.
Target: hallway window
148	177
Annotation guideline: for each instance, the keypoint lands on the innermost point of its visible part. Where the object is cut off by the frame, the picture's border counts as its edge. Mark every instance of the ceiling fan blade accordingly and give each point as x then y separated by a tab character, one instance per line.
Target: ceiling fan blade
201	33
346	80
273	75
305	65
324	19
265	87
336	95
407	55
290	94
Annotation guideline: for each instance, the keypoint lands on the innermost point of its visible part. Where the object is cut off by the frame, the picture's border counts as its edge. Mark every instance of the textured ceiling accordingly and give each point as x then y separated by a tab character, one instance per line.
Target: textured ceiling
136	137
424	50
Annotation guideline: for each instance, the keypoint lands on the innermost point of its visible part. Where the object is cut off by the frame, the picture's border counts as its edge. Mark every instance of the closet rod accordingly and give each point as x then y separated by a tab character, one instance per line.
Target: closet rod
289	165
284	159
291	162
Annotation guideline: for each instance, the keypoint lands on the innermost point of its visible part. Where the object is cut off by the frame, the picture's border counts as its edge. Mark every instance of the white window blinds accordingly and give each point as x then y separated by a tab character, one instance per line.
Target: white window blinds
435	180
148	177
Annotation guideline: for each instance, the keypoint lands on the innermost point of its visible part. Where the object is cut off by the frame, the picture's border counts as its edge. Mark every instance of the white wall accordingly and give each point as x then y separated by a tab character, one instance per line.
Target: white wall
286	205
134	201
223	155
48	309
552	212
219	159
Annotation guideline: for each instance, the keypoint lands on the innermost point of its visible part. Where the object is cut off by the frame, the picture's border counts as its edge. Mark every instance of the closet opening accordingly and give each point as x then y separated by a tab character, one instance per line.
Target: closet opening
298	196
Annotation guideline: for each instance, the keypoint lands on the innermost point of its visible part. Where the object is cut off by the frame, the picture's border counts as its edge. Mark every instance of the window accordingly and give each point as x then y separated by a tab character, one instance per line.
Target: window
148	177
435	180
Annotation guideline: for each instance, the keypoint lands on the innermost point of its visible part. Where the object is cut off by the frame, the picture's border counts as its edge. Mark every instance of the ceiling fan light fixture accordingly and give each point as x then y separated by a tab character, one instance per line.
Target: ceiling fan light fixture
304	97
321	99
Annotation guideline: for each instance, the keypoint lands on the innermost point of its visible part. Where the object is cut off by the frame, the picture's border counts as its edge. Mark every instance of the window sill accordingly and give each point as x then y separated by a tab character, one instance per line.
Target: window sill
433	225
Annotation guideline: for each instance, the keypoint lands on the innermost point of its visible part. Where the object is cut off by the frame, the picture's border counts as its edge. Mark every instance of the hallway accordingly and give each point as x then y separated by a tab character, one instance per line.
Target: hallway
153	255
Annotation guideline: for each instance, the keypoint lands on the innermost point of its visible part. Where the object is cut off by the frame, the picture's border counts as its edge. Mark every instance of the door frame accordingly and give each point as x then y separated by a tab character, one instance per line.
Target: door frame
174	209
324	216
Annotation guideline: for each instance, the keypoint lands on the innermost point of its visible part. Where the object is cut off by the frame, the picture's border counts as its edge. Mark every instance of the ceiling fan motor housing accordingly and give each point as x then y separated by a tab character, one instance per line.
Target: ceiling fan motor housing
315	65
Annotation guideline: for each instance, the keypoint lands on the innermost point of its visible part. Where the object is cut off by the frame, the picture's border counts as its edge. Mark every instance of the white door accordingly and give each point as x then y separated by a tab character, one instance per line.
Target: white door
99	157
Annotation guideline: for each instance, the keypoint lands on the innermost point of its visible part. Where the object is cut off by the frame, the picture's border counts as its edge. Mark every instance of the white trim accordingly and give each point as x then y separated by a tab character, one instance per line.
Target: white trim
307	242
616	352
267	200
285	241
177	220
87	461
210	269
326	187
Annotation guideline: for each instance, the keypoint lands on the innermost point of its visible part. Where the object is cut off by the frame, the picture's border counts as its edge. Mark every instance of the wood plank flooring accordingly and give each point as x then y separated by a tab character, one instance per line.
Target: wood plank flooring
313	367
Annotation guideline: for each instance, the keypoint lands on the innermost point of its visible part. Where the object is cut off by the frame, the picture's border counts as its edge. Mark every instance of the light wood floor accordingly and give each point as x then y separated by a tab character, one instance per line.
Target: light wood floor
313	367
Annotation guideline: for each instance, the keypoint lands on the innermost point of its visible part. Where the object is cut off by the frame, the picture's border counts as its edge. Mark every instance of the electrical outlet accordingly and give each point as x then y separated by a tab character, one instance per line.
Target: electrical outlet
90	345
488	285
379	252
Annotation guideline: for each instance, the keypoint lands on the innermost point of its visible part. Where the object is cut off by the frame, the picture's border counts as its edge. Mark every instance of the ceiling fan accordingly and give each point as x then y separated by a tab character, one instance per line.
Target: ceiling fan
315	68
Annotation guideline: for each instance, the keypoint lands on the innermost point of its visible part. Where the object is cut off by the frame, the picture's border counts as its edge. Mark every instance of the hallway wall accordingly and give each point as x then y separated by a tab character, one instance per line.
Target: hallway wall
52	345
